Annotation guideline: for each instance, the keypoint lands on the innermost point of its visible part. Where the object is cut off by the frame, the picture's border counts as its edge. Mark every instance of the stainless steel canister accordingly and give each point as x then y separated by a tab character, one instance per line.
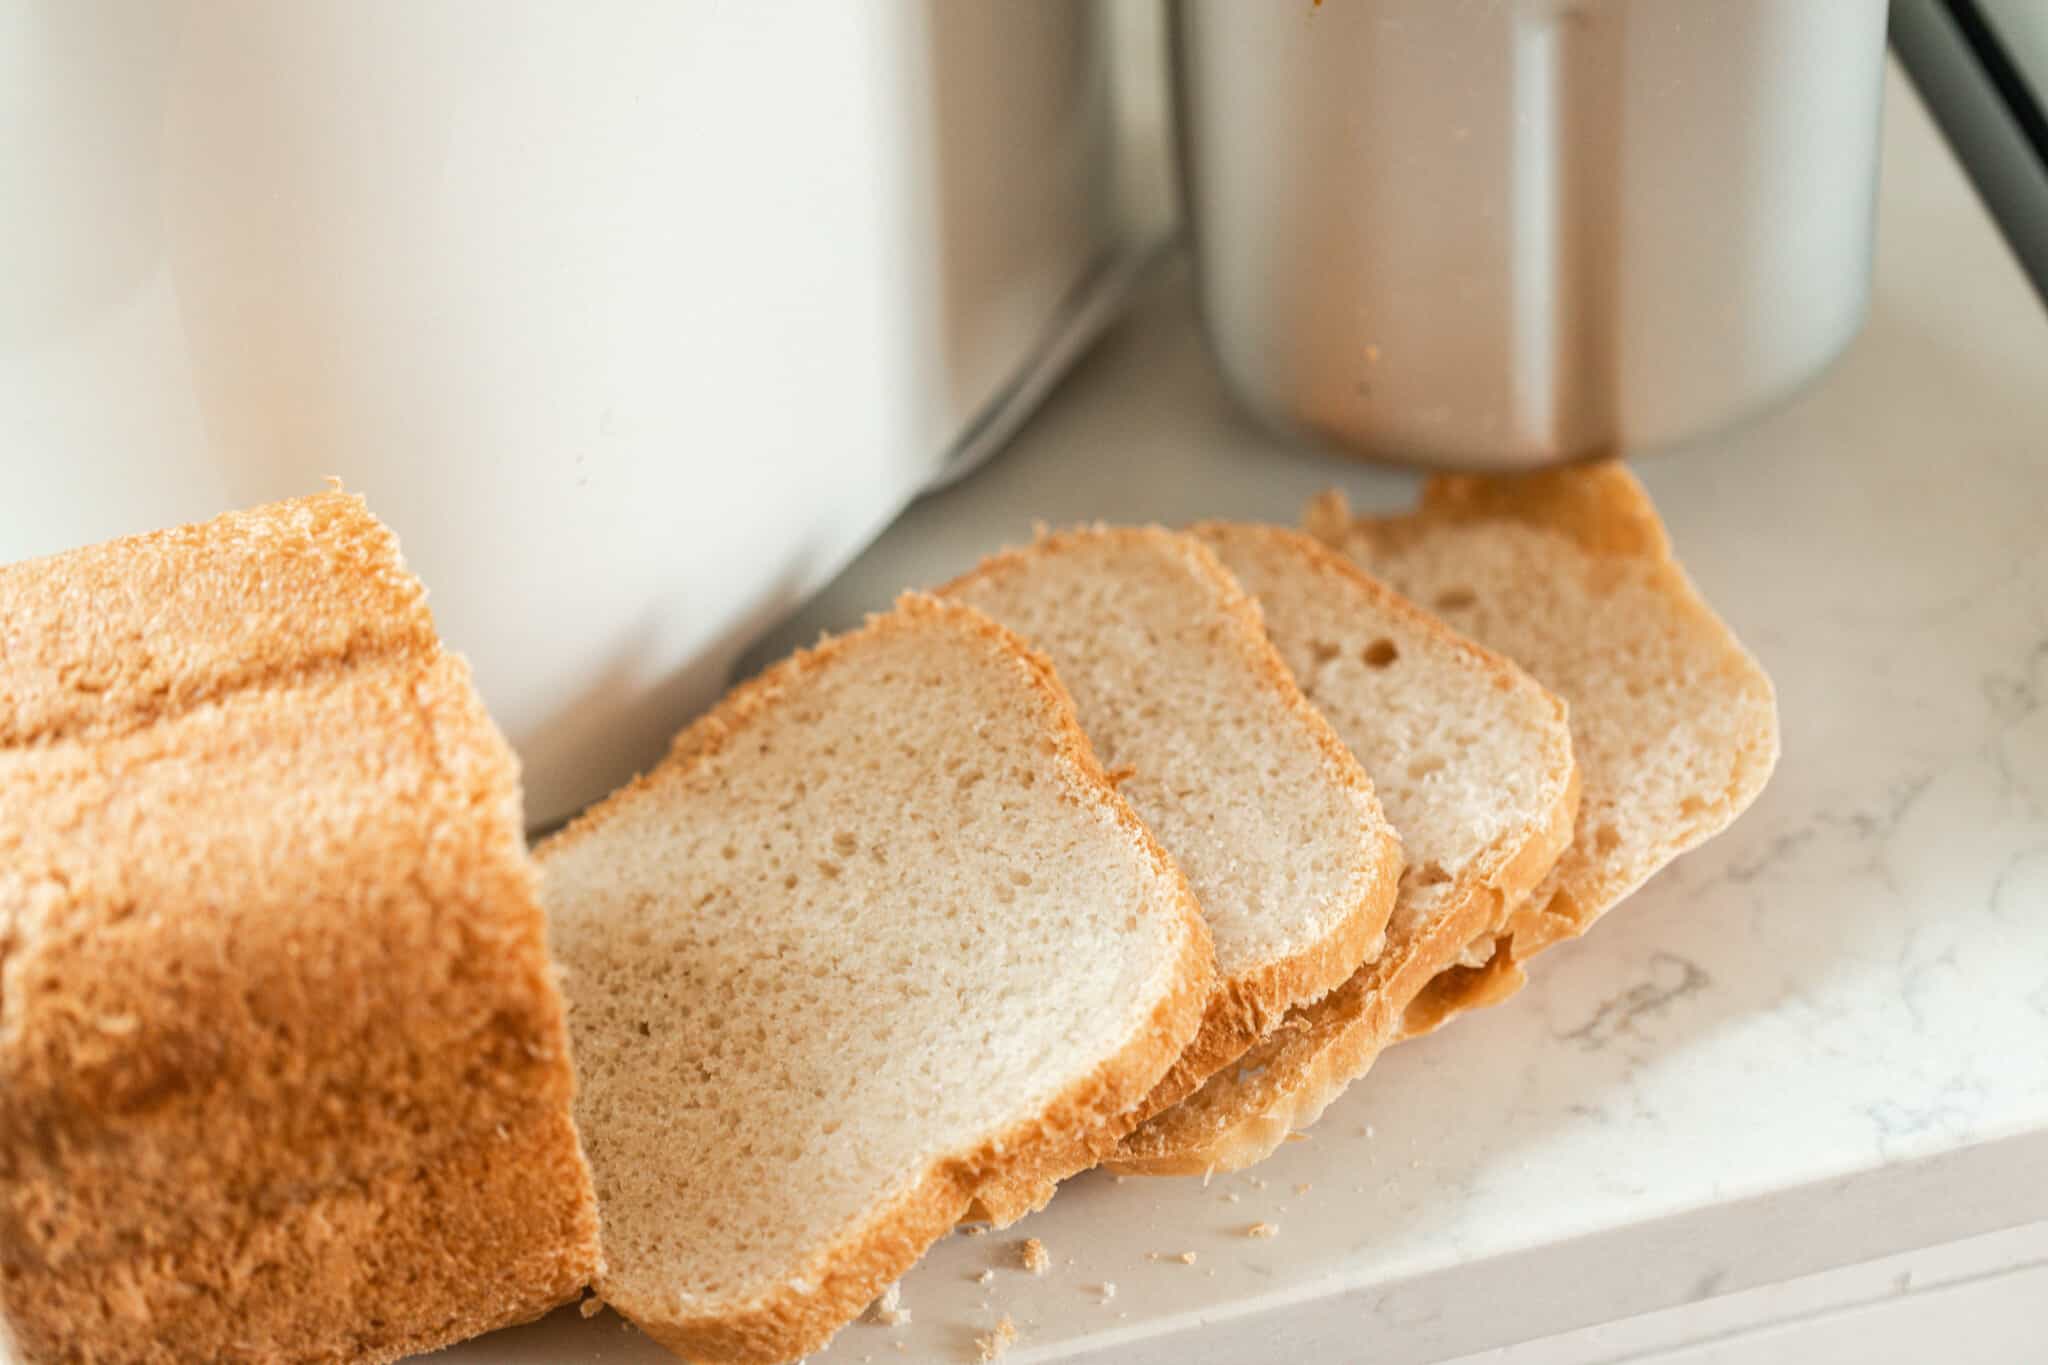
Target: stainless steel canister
1503	233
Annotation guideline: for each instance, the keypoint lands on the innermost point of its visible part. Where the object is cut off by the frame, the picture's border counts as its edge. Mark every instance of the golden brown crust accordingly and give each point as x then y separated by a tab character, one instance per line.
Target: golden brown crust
1251	1005
1459	988
1003	1201
784	1321
116	636
272	970
311	1282
1603	510
1600	506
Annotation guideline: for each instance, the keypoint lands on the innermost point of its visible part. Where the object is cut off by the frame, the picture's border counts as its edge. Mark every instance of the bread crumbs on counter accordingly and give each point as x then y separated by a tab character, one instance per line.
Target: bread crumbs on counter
1263	1230
993	1344
591	1306
1106	1290
1256	1183
1303	1189
985	1277
888	1310
1031	1254
1230	1196
1183	1257
974	1229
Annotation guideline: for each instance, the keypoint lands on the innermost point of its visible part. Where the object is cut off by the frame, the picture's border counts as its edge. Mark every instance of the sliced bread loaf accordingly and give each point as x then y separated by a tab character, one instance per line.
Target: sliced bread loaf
1239	777
1473	762
1570	574
283	1071
878	932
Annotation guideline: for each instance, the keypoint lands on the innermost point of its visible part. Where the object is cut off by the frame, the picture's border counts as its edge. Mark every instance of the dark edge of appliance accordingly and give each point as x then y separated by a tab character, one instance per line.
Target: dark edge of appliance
1978	90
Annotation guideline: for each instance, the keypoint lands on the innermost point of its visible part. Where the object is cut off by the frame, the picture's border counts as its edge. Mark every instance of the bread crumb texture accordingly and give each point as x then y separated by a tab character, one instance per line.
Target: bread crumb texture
991	1345
1032	1256
283	1072
888	1310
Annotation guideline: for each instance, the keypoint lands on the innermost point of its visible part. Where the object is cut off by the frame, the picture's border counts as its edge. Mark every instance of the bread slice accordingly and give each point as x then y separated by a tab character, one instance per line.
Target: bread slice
283	1069
1569	573
1473	762
1241	779
878	931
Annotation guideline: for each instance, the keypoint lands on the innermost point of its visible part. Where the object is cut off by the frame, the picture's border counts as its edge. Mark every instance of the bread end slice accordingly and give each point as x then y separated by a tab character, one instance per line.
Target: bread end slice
283	1067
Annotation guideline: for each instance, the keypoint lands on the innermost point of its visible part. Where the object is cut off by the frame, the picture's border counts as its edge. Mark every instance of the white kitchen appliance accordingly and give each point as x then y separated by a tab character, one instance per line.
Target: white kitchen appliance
635	319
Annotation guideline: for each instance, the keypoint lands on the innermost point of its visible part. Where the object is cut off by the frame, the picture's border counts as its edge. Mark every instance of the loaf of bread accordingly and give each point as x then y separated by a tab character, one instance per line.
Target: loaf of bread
1473	762
880	931
283	1068
1243	782
284	1072
1569	573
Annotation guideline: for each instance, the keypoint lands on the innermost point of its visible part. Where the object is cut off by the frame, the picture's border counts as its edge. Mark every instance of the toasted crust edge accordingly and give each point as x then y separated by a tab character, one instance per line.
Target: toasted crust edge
848	1272
1251	1137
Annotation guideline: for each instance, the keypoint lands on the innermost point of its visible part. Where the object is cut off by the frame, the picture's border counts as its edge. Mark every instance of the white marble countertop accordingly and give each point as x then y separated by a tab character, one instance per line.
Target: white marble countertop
1819	1040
